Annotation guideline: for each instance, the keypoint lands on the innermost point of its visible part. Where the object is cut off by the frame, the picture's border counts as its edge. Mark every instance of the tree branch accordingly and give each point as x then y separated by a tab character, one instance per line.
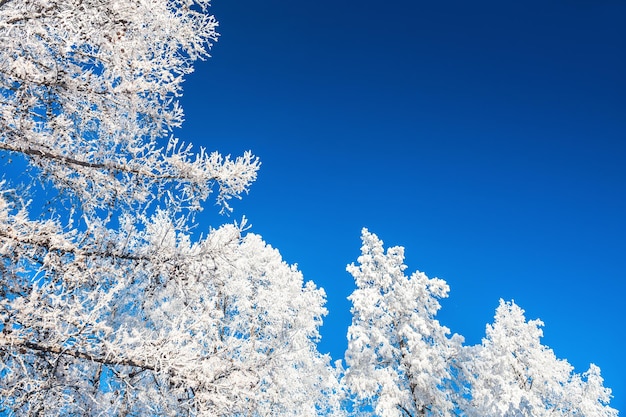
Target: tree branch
110	166
8	341
45	245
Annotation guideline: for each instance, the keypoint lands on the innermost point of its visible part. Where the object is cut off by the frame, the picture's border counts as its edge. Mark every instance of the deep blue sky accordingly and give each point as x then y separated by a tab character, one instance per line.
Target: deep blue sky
488	138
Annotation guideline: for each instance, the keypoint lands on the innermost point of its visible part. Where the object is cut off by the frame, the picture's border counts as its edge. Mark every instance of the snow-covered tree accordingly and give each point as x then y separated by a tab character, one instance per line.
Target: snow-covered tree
400	359
113	304
109	305
512	374
402	362
165	326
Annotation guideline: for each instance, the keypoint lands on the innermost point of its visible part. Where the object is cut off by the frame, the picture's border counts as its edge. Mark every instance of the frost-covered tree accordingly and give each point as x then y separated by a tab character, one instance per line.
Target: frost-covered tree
167	326
402	362
400	359
112	304
109	305
512	374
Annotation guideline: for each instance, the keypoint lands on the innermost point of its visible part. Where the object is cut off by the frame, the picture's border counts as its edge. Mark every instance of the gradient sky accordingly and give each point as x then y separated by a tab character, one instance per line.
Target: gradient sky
488	138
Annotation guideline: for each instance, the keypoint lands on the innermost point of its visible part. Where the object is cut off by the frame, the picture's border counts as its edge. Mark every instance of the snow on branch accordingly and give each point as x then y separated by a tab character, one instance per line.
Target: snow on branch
88	93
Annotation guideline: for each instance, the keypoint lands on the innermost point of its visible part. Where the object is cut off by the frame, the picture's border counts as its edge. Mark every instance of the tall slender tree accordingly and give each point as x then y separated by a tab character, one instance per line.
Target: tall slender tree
400	359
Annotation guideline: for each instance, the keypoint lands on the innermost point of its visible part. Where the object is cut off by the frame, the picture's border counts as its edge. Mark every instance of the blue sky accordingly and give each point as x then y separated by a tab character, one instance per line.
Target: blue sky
488	138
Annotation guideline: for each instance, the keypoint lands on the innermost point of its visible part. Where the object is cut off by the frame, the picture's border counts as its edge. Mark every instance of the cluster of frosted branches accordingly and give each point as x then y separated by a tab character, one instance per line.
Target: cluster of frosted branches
89	87
124	312
148	322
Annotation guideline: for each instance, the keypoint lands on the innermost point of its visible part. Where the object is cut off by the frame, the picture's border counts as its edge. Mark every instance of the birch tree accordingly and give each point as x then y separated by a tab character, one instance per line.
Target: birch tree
111	305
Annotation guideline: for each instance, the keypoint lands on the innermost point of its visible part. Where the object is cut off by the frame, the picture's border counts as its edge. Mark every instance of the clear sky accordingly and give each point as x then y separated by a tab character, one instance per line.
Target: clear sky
488	138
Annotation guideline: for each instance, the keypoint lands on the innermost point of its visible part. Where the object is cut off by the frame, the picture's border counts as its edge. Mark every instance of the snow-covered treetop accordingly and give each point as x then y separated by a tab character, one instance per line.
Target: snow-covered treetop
400	358
512	374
